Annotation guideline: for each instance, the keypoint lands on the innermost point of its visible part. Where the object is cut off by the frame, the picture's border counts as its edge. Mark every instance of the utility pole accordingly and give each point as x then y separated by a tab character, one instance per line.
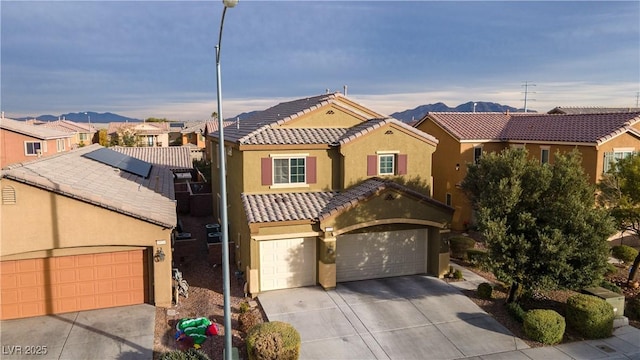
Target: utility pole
526	86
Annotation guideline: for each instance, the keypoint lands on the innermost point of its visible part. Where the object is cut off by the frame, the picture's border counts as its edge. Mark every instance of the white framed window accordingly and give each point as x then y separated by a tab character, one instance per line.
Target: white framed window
477	153
83	136
387	164
60	145
544	154
33	148
610	158
289	170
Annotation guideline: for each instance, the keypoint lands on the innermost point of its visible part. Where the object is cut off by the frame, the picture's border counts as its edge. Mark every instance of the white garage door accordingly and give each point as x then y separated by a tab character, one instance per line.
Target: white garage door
380	254
287	263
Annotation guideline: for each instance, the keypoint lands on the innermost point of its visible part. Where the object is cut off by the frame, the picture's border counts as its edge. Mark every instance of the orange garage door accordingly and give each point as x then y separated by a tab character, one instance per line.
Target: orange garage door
71	283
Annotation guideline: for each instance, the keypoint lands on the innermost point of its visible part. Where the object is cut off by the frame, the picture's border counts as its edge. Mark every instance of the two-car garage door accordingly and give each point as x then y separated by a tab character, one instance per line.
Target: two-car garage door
71	283
374	255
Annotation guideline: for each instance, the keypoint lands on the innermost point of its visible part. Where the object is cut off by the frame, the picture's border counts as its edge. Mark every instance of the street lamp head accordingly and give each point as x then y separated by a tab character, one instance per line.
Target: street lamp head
230	3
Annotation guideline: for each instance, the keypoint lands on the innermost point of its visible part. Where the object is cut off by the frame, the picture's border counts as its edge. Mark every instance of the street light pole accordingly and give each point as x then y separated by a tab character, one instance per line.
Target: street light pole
224	221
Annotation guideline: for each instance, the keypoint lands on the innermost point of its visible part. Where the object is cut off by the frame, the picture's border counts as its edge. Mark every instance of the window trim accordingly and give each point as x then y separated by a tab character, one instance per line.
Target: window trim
35	151
60	145
476	156
542	150
394	164
280	185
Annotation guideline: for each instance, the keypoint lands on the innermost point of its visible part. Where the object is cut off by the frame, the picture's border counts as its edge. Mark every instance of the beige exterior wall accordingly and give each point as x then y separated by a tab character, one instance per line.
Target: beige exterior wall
13	147
330	116
43	224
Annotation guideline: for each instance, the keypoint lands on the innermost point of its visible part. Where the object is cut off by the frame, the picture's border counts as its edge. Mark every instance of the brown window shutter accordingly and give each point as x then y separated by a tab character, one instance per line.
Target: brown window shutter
311	169
402	164
372	165
267	174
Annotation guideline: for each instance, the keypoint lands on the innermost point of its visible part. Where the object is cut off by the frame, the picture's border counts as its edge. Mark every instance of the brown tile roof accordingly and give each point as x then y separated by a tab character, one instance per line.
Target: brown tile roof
212	127
288	136
69	126
173	157
76	176
371	125
35	131
579	128
261	208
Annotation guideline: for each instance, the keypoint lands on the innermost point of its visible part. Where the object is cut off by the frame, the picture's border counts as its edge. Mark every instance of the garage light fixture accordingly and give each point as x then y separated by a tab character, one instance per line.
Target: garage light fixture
159	255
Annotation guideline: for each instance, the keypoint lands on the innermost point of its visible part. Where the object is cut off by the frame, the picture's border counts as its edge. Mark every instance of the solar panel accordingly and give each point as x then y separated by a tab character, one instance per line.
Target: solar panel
120	161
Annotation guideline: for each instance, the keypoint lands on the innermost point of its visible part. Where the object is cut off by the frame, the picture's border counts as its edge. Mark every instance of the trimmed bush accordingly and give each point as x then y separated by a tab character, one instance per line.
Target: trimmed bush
190	354
249	319
244	307
516	311
273	340
485	291
610	286
457	274
589	315
459	246
632	309
477	257
624	253
545	326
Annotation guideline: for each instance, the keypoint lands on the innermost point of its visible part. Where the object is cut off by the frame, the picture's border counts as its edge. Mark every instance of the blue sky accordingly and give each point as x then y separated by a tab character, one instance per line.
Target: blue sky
157	59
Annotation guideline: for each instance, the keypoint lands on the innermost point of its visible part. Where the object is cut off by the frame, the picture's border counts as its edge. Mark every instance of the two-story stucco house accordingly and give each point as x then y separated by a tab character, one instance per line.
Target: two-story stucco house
464	137
21	142
323	190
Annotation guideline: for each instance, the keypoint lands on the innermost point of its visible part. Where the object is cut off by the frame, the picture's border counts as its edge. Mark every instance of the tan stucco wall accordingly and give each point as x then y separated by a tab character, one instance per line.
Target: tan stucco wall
44	223
323	117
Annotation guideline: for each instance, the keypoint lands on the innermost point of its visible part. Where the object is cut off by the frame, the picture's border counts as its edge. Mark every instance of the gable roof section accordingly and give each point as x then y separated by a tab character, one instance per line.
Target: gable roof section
212	126
69	126
75	176
579	128
38	132
266	208
371	125
173	157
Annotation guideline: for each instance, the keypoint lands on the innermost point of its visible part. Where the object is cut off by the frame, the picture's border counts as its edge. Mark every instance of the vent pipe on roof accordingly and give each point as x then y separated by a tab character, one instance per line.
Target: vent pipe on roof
238	122
345	90
327	91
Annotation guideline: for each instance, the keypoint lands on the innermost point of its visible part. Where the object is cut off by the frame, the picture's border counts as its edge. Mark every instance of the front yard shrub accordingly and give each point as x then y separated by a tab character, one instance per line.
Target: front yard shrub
249	319
190	354
485	291
459	246
273	340
457	274
545	326
632	309
611	269
477	257
589	315
624	253
516	311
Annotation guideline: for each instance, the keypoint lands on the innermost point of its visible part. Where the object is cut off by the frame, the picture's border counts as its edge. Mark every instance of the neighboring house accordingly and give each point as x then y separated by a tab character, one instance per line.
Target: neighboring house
22	142
83	134
590	110
139	134
175	158
79	234
464	137
211	127
194	133
323	190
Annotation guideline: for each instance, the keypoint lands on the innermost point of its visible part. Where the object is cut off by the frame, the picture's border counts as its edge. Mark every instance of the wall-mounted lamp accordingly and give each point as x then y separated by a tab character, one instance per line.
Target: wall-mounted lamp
330	249
457	167
159	255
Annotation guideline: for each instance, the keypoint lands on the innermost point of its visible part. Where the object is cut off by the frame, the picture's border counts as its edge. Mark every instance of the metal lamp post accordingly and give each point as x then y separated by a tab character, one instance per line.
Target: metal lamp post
224	226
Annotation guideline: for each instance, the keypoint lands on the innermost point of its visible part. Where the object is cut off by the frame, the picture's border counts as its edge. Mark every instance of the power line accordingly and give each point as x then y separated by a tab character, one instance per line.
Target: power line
526	92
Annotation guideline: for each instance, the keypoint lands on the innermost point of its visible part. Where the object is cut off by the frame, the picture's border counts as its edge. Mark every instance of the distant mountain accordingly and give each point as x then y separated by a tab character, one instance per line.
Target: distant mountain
81	117
481	106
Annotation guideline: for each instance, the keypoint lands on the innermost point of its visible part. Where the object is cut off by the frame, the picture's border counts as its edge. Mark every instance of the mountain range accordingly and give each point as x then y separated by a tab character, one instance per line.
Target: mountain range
406	115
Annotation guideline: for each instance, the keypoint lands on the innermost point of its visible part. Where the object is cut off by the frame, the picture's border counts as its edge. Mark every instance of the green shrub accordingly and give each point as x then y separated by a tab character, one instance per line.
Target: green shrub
477	257
611	269
249	319
190	354
624	253
516	311
244	307
273	340
632	309
457	274
485	290
545	326
610	286
459	246
591	316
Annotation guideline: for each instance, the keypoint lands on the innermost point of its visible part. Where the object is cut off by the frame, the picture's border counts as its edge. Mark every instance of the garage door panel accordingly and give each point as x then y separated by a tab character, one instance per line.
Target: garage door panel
287	263
72	283
380	254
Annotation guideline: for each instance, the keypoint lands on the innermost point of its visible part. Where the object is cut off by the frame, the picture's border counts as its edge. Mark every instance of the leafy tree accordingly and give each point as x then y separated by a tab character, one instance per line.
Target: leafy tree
539	221
103	137
157	120
620	191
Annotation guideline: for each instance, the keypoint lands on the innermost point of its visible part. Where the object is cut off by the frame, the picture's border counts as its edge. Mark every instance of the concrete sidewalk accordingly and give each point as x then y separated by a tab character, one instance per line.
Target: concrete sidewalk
116	333
416	317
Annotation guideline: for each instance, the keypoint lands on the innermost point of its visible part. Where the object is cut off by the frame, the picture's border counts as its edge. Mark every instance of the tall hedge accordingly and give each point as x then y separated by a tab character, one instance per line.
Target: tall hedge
589	315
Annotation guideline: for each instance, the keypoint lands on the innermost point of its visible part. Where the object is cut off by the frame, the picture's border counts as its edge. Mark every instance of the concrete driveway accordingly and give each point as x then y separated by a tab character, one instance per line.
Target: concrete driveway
409	317
116	333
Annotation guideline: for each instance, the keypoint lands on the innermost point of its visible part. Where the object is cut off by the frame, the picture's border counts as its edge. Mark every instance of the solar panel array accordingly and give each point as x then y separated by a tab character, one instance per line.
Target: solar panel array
120	161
